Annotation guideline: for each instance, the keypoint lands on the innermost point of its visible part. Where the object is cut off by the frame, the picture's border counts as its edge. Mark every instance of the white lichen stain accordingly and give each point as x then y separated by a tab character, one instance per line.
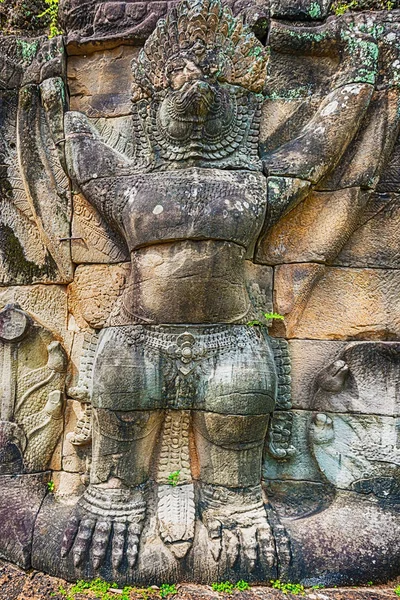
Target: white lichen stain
328	110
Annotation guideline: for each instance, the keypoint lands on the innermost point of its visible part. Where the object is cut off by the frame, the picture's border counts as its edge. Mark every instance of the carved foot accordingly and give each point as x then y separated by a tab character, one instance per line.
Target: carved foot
82	433
322	429
237	523
103	517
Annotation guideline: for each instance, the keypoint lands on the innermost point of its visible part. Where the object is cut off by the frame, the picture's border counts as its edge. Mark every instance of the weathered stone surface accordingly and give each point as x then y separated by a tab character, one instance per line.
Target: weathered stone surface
322	141
300	9
74	459
390	180
366	156
375	241
358	452
111	22
32	183
362	378
176	391
343	542
32	401
295	499
93	81
93	239
94	292
308	358
67	486
284	112
315	230
337	303
302	466
46	303
20	500
259	283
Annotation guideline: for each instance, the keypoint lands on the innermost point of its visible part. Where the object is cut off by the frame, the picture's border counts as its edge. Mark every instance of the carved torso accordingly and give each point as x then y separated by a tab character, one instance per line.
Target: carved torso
188	232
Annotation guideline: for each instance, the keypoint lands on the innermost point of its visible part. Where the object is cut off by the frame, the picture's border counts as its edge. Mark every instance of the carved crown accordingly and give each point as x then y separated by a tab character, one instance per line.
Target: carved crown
208	34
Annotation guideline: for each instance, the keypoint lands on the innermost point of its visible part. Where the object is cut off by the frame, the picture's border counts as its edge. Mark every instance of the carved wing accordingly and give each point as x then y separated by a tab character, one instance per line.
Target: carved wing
35	198
325	143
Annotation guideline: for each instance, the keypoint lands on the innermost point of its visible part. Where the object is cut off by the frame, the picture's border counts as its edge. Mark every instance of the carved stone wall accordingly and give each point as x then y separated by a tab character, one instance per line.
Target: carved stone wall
304	484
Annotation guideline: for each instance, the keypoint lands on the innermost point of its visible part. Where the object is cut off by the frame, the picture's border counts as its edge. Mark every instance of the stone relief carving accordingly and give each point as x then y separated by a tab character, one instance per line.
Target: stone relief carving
197	105
32	398
354	449
230	157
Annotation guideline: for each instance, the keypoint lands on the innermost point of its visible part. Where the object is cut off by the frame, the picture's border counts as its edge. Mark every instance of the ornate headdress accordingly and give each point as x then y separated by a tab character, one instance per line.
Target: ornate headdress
209	33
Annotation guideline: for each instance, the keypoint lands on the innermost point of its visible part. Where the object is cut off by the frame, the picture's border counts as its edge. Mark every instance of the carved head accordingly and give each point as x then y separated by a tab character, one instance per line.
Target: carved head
201	72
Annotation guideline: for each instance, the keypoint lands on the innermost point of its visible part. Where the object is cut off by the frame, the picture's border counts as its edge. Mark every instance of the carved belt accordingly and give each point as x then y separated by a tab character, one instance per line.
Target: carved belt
188	343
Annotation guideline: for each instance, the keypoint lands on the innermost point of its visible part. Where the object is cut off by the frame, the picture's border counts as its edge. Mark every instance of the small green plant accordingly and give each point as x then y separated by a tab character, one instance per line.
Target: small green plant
126	592
274	316
267	316
98	588
224	587
340	8
173	478
287	587
318	586
397	590
370	583
51	486
51	13
242	586
166	589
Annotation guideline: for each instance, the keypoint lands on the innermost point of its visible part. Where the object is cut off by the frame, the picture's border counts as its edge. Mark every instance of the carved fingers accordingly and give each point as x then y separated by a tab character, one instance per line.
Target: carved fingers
266	546
96	531
239	530
101	537
232	547
133	545
118	544
82	541
249	544
69	535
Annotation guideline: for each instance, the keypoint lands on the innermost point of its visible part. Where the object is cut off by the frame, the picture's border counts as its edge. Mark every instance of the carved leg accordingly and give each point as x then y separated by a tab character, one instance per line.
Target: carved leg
231	498
113	508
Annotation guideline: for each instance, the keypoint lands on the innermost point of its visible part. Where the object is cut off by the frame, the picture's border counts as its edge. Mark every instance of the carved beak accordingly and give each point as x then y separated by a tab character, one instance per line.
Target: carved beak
196	97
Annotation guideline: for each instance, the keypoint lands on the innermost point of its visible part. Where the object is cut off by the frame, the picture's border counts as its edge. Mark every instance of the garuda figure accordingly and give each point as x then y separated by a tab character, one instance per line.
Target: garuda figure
183	388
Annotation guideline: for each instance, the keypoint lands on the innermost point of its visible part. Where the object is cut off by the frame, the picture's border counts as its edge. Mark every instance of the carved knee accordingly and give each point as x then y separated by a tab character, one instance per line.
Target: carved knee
230	447
123	444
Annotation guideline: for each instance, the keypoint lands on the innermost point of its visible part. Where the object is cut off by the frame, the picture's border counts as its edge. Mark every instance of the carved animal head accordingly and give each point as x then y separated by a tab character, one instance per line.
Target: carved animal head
201	71
200	39
333	377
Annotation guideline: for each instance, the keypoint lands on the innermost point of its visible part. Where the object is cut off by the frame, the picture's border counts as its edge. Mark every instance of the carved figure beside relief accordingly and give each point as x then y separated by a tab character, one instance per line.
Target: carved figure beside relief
187	458
181	384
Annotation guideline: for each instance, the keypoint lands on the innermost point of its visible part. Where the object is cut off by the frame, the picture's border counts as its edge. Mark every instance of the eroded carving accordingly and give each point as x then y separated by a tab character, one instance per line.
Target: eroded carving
356	450
32	398
179	201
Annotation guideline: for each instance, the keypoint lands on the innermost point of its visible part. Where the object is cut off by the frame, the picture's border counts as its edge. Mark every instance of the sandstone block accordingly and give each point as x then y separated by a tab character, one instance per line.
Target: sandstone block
73	459
94	292
100	84
95	241
337	303
46	303
315	230
375	241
